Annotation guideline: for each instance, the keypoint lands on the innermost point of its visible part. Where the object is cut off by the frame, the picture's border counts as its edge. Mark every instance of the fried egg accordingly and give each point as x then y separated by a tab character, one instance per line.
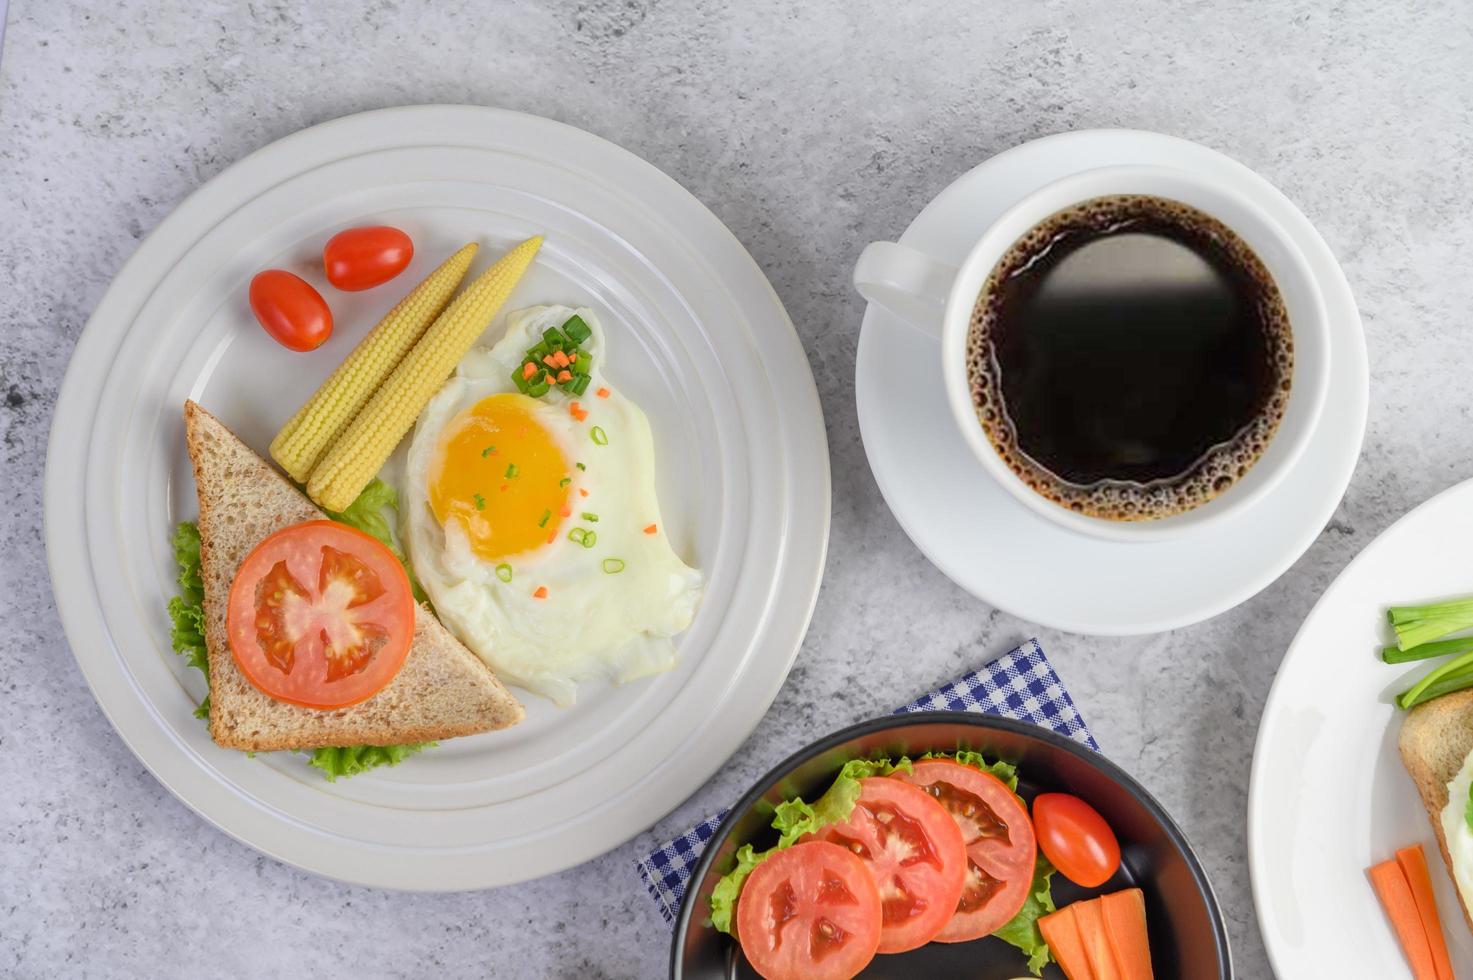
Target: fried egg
533	523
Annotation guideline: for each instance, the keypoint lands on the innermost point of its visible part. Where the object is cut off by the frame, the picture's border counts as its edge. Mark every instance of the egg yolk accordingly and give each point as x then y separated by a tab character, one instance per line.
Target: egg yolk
499	473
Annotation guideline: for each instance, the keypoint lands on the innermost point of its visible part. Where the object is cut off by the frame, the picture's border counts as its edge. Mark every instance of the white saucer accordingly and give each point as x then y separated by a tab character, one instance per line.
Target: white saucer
1001	552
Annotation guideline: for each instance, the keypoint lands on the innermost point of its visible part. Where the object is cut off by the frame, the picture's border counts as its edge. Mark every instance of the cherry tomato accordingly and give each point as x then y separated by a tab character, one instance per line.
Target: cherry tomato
811	912
1074	836
915	852
1000	844
293	313
361	258
321	615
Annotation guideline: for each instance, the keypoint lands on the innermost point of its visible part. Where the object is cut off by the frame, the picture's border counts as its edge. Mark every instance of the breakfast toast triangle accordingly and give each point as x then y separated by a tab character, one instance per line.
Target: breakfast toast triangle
1435	739
442	691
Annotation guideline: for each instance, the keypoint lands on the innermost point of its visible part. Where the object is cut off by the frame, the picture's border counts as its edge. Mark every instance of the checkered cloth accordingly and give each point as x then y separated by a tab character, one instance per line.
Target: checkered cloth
1020	684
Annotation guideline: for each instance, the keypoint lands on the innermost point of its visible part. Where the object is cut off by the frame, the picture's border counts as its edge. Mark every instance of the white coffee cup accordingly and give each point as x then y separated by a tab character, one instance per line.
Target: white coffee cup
938	299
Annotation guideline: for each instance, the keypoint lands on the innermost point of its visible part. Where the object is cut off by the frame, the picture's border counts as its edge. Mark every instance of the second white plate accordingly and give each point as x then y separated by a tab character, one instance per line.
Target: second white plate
697	338
999	550
1329	796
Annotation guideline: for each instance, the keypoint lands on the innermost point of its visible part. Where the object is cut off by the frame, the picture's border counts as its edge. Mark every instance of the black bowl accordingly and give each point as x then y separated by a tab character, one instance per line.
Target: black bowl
1188	938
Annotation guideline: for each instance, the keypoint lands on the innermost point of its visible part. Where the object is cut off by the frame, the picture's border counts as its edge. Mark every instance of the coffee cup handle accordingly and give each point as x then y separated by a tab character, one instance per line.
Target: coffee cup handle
907	282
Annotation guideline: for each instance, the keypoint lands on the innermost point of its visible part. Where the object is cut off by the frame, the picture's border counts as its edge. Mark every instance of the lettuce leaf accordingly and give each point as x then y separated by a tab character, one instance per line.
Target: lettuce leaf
1022	929
187	634
187	609
351	761
793	819
366	513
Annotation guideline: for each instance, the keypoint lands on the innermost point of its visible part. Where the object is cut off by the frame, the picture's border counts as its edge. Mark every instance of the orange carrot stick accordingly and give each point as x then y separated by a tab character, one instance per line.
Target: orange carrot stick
1401	908
1061	931
1413	863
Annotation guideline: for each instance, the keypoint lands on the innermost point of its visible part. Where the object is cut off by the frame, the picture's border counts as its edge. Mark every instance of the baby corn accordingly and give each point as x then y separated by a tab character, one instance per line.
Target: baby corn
303	440
356	456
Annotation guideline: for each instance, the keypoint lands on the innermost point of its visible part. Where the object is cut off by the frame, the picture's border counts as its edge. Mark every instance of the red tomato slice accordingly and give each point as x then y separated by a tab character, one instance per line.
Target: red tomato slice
291	311
1074	836
915	852
361	258
811	912
1000	844
321	615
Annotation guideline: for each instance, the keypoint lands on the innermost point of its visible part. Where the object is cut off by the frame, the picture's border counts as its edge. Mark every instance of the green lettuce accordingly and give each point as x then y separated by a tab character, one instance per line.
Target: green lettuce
793	819
187	609
187	634
351	761
1022	929
366	513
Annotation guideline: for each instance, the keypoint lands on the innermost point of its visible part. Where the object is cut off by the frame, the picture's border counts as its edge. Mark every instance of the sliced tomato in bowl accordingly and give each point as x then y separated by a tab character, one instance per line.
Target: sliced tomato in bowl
1000	843
916	853
320	614
811	912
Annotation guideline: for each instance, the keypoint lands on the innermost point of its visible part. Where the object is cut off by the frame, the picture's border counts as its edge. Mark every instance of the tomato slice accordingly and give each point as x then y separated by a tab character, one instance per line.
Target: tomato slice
321	615
811	912
1000	844
915	852
1076	839
361	258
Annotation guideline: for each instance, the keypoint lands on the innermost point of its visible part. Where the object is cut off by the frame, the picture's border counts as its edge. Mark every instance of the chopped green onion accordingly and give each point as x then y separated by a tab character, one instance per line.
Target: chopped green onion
565	481
599	436
511	470
487	451
480	502
503	572
1415	625
580	466
1426	651
576	535
545	515
1461	666
576	329
539	389
580	383
587	516
589	537
613	565
553	338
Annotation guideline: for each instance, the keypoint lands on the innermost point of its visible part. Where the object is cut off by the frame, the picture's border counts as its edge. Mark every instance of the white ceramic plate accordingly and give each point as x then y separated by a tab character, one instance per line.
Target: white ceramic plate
697	337
1000	551
1329	796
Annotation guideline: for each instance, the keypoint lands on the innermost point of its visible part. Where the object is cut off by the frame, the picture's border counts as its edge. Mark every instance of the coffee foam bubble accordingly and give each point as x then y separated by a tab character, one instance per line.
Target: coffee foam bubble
1218	468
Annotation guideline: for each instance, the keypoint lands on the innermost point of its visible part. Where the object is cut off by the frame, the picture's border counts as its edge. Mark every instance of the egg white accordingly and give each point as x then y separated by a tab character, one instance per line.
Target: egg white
591	623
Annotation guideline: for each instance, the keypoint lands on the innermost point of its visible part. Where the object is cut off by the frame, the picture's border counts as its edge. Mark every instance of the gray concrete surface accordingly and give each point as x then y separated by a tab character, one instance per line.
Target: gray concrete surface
810	128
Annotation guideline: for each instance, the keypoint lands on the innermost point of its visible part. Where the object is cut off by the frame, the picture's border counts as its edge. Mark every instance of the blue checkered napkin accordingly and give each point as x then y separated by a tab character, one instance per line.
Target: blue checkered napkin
1020	684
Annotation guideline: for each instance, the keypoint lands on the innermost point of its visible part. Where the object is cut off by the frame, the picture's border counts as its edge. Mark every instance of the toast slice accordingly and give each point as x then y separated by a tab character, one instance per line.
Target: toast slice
442	691
1435	739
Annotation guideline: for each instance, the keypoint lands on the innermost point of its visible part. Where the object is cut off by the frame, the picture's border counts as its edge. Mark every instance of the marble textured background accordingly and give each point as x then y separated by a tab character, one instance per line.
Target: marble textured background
810	129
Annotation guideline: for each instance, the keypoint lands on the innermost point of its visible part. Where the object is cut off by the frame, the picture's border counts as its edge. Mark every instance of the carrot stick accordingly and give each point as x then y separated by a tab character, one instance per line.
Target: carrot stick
1413	863
1061	931
1401	908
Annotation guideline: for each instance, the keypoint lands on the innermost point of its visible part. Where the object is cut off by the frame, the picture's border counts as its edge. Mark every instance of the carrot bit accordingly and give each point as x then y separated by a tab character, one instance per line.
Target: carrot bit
551	537
504	486
602	393
562	358
566	511
564	375
574	408
582	492
572	358
528	370
550	361
541	592
651	529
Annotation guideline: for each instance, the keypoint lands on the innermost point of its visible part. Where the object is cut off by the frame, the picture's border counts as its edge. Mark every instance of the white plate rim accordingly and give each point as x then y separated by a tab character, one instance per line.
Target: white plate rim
1355	400
804	548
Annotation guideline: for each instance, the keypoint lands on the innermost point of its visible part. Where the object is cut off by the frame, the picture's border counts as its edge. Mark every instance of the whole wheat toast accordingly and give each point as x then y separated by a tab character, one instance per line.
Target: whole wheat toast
442	691
1435	739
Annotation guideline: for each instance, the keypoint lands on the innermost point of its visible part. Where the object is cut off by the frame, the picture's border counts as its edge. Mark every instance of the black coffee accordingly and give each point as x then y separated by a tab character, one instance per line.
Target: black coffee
1130	357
